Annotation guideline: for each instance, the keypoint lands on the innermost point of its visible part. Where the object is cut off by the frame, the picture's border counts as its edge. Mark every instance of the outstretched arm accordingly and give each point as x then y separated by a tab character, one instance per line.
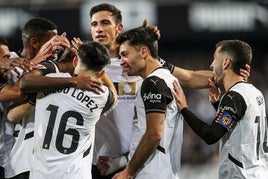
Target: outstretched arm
11	93
192	79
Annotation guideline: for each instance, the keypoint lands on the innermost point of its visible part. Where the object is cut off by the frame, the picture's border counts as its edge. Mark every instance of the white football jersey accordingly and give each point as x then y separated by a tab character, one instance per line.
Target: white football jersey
64	132
114	129
165	162
20	158
244	149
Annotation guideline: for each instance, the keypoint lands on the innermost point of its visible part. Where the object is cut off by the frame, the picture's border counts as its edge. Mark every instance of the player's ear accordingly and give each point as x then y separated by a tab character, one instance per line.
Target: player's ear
75	61
119	28
34	42
226	63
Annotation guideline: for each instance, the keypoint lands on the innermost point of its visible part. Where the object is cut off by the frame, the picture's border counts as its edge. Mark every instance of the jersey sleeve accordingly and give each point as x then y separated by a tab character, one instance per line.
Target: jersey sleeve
166	64
46	67
156	95
109	102
231	109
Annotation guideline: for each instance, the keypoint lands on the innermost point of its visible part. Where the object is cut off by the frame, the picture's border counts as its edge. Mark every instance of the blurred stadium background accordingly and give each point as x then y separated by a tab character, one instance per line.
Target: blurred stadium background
189	31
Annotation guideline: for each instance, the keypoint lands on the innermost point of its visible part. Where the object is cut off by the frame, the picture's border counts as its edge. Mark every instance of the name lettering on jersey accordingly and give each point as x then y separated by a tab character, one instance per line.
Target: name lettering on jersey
83	98
59	90
260	100
153	98
77	94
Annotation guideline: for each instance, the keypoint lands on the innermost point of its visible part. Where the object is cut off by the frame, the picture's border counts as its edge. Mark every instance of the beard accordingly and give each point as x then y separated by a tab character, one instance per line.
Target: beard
218	80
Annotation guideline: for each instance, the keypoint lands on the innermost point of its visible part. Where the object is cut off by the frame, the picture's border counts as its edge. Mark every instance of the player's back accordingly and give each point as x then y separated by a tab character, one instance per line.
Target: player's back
64	132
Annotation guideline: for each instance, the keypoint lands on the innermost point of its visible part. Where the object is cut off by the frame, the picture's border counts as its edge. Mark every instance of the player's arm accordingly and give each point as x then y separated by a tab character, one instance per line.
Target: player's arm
196	79
11	63
17	111
11	93
42	83
106	80
149	142
231	109
192	79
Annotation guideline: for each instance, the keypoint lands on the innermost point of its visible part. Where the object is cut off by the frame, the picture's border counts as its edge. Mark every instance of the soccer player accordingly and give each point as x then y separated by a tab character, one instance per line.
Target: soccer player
35	33
157	125
8	93
112	146
240	123
65	120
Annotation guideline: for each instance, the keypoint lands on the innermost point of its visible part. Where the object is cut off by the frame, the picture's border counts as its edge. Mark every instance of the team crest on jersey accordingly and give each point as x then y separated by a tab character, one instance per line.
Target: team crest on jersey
259	100
226	120
40	66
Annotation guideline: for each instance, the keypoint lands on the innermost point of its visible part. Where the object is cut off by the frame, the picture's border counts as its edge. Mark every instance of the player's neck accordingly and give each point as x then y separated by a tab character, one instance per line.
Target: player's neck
88	73
232	79
151	65
114	51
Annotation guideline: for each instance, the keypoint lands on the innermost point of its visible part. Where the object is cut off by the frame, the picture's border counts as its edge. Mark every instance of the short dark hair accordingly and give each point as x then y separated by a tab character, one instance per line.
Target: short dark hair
3	41
239	51
140	36
38	27
107	7
93	55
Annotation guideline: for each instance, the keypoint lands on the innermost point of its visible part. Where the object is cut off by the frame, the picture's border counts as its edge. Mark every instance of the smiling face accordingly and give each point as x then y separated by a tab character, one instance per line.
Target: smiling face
217	67
104	28
131	59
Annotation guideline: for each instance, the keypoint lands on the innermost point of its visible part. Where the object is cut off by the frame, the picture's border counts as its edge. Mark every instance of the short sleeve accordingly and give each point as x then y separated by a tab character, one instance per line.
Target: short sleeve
155	94
231	109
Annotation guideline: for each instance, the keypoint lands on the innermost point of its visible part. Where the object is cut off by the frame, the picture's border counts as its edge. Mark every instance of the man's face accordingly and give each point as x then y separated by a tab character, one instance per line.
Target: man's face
131	60
4	52
104	28
217	67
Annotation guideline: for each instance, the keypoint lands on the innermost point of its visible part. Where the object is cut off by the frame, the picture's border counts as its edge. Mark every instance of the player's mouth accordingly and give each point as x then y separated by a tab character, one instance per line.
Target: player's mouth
100	37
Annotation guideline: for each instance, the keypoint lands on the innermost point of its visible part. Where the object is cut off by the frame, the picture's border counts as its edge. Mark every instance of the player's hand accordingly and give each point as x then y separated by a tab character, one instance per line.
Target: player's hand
59	42
179	96
102	165
153	27
245	73
45	51
87	83
122	175
12	63
108	165
76	42
51	47
214	92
